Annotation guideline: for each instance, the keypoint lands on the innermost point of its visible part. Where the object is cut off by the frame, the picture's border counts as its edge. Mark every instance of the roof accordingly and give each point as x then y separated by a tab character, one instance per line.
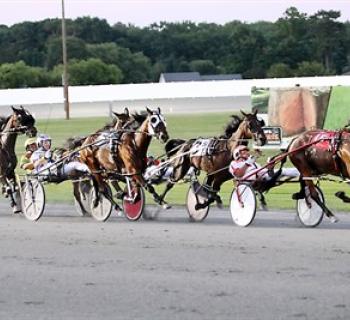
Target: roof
180	76
196	76
216	77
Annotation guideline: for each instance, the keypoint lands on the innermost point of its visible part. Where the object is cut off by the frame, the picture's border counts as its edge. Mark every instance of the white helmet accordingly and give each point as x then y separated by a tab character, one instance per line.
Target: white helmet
41	138
237	151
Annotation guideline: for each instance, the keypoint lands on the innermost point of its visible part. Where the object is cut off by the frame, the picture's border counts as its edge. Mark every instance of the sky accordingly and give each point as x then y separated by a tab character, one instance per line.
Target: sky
145	12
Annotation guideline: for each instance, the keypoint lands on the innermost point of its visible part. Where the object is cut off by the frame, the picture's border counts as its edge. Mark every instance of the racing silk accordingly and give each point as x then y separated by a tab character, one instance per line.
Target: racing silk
238	165
109	139
40	154
325	140
203	147
260	174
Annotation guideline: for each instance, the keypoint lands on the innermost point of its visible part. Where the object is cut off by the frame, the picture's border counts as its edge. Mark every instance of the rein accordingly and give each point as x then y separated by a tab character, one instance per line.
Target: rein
14	130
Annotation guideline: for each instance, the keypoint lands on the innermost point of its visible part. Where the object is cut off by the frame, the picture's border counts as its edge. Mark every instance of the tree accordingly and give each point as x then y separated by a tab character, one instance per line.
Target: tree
329	40
279	70
309	69
136	67
76	49
90	71
19	75
203	66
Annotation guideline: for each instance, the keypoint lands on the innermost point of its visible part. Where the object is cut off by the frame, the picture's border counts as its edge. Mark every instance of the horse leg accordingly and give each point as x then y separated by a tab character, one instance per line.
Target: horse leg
78	194
169	185
314	195
119	191
212	195
141	181
12	191
179	171
262	201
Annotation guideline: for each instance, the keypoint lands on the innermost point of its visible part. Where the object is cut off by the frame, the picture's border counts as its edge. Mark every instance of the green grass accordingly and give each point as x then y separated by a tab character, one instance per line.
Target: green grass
338	113
179	126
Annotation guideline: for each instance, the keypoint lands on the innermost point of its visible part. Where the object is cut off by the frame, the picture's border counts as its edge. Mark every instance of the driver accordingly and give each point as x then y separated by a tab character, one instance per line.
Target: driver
244	165
42	158
30	147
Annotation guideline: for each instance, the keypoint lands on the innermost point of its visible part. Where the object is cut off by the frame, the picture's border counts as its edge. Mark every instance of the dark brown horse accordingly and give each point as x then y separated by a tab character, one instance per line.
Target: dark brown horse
216	163
127	157
318	152
21	121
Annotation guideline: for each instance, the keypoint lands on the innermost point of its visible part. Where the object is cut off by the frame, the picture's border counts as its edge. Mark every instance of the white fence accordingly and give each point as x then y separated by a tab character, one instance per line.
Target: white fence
180	97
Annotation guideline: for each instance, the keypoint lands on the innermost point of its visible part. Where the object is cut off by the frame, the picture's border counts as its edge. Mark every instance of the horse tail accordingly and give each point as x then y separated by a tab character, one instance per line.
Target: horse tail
172	146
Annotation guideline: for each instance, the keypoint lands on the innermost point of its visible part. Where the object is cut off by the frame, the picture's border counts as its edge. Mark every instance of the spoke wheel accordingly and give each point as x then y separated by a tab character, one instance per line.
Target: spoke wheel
196	191
134	203
102	210
33	200
243	205
310	215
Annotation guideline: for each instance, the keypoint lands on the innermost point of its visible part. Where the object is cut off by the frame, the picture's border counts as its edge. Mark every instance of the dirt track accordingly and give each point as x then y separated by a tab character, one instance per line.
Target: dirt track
68	267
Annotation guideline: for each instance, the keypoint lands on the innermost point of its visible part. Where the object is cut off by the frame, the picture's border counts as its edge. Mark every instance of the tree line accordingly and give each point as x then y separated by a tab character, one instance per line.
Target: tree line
297	44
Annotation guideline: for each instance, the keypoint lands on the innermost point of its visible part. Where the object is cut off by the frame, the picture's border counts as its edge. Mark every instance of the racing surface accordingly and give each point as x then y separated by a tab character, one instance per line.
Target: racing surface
70	267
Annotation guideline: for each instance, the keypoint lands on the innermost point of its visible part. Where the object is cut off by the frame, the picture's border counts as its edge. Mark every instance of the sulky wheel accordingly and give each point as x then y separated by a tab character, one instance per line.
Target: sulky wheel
310	214
101	208
33	199
243	205
196	194
133	202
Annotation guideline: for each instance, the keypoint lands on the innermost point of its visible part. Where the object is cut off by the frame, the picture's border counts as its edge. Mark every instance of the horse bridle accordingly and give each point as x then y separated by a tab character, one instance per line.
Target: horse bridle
154	121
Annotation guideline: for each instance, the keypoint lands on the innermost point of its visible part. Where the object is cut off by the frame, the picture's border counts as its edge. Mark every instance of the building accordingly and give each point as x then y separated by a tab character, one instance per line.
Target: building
195	76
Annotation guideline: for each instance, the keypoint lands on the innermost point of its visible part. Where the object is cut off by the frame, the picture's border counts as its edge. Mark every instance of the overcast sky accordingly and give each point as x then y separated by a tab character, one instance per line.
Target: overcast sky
145	12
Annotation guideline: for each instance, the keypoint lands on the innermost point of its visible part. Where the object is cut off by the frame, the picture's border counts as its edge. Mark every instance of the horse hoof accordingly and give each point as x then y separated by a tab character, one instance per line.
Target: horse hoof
200	206
264	208
17	211
220	205
166	206
340	194
334	219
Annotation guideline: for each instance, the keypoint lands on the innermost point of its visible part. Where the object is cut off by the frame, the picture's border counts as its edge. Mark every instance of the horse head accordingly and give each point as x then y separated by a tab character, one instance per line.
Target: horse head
253	127
157	125
23	121
121	119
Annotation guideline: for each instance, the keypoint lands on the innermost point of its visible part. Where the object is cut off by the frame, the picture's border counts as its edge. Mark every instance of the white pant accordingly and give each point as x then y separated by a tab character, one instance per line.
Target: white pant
263	174
69	167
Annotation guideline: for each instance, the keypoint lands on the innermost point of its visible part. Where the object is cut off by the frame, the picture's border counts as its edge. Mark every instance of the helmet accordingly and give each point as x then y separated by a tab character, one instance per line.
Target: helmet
41	138
237	150
29	141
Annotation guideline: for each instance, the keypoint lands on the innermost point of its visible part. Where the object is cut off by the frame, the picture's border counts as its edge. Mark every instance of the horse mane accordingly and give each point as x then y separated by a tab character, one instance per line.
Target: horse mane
3	122
139	118
74	142
231	127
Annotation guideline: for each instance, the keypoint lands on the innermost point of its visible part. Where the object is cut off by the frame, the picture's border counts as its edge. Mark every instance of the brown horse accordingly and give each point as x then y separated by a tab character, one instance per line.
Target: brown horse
216	163
21	121
121	122
126	157
319	152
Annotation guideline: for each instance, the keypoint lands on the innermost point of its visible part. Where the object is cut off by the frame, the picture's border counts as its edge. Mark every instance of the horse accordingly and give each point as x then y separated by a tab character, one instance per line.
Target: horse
21	121
215	163
126	157
122	121
320	152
